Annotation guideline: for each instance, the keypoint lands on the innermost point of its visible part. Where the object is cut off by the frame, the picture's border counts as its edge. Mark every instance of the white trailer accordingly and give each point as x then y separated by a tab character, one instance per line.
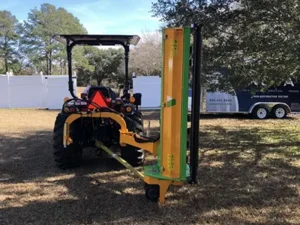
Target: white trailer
276	102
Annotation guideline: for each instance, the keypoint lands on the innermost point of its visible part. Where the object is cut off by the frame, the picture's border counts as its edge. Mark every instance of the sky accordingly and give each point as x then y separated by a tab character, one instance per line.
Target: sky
97	16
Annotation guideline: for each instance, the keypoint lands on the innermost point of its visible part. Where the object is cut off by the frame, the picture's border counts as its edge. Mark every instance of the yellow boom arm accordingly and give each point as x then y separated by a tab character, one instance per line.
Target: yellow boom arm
126	137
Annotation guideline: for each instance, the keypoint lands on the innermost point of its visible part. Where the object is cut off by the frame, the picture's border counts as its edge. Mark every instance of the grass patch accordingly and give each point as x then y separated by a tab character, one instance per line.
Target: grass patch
249	173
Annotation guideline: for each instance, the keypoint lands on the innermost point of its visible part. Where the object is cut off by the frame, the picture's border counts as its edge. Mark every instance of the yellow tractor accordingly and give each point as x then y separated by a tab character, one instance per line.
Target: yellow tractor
98	120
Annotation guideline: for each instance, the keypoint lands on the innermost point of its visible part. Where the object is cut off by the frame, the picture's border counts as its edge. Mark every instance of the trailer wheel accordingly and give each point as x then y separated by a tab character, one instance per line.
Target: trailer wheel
152	192
70	156
260	112
279	112
133	155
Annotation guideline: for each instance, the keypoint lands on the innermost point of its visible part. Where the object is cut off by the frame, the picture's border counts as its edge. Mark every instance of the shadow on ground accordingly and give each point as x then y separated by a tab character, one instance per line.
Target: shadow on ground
242	180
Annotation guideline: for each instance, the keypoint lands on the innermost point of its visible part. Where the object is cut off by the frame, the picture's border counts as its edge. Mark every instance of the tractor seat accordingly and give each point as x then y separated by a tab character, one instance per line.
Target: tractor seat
143	139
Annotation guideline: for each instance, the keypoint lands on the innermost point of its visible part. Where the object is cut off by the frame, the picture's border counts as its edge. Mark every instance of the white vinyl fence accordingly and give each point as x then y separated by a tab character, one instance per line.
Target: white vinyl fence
150	88
35	91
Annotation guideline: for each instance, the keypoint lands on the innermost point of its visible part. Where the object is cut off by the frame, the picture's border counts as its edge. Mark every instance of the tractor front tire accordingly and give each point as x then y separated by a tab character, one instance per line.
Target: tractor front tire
133	155
70	156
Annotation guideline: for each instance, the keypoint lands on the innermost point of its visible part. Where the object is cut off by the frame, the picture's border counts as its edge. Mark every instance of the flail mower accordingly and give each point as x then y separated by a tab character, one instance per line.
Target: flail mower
101	119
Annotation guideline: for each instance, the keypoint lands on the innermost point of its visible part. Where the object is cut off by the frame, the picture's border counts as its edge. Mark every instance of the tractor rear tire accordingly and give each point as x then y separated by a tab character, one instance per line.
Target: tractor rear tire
70	156
138	123
133	155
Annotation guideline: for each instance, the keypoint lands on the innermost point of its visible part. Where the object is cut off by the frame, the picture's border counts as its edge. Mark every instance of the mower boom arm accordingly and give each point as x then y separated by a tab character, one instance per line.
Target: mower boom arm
126	137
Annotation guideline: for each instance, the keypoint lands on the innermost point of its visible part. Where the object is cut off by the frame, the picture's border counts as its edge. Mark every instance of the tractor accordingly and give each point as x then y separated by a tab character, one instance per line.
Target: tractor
101	119
97	99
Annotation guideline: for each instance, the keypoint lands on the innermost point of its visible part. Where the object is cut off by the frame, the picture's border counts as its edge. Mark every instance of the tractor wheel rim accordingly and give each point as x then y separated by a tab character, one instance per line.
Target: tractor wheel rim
279	112
261	113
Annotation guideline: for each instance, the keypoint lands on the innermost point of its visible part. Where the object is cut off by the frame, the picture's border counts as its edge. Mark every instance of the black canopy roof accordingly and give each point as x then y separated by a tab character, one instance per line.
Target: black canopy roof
95	39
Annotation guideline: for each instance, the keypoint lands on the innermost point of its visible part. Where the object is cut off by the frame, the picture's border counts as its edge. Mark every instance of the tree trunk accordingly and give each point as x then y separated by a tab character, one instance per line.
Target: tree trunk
61	67
50	63
65	67
6	64
99	77
47	64
6	55
50	59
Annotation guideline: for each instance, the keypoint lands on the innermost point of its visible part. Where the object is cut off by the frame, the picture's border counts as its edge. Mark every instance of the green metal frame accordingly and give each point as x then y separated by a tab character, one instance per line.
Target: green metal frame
184	173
